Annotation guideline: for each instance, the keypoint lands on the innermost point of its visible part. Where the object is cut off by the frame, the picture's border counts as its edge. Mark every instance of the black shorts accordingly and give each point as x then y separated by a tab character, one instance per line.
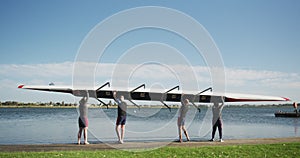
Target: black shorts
218	123
121	120
83	123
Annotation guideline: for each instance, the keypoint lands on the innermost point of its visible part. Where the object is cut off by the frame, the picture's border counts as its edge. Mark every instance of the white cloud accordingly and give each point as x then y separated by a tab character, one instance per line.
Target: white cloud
274	79
38	70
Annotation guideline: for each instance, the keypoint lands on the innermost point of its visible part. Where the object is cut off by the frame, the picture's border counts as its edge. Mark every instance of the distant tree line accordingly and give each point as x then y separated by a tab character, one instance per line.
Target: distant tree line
15	103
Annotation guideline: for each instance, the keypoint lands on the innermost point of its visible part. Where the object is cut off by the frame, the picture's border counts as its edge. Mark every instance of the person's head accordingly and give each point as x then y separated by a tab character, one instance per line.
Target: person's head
215	103
216	100
295	105
122	98
186	101
82	100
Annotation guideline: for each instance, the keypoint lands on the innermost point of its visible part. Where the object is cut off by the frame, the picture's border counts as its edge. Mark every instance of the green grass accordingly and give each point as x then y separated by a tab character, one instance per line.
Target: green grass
263	150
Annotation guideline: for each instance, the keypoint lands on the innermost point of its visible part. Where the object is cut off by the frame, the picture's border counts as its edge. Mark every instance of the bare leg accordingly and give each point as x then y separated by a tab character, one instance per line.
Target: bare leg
122	133
186	133
79	135
85	135
118	132
179	133
179	129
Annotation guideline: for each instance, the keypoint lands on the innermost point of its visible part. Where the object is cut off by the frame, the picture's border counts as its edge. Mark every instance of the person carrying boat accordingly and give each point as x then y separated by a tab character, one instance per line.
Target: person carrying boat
295	106
121	119
83	119
217	117
181	119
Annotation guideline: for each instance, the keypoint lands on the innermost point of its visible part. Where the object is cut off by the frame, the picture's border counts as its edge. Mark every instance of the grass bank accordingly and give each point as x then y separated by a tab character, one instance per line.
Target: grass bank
261	150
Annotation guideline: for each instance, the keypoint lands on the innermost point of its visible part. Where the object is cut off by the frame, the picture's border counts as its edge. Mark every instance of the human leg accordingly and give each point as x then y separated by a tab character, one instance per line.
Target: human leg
122	133
213	132
118	125
180	124
85	130
83	126
180	133
220	129
186	133
118	132
79	135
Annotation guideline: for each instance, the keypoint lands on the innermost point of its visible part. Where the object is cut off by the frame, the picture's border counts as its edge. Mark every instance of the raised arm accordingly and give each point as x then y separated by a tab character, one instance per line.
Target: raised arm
86	97
222	103
115	97
182	99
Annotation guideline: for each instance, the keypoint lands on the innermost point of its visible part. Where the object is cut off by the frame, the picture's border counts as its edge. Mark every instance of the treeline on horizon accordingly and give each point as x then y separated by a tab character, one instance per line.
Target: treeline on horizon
58	104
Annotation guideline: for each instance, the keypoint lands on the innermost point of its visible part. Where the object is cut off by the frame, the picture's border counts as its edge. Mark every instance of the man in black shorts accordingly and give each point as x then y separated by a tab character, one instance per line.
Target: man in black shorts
83	121
121	119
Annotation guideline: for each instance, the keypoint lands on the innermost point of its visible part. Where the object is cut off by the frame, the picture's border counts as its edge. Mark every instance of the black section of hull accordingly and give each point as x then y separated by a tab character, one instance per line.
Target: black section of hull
287	114
153	96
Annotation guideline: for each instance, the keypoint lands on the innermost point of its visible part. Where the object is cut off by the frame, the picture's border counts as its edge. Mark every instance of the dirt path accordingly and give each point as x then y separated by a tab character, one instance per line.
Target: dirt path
140	145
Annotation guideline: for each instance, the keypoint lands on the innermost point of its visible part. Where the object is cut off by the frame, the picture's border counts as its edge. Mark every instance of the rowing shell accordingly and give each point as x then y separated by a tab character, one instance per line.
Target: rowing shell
135	94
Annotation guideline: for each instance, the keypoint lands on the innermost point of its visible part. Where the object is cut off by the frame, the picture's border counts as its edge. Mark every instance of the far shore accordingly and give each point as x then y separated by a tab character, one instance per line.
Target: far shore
67	107
286	106
132	106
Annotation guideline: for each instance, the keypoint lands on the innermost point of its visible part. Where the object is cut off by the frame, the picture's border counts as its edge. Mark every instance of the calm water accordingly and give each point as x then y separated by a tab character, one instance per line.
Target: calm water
57	125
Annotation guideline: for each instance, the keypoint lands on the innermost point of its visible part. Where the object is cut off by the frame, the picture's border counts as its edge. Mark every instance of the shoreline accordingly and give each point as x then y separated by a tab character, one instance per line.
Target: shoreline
142	106
91	107
140	145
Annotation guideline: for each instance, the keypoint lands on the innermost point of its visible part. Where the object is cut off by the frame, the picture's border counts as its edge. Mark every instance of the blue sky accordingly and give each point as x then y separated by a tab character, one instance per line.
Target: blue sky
258	39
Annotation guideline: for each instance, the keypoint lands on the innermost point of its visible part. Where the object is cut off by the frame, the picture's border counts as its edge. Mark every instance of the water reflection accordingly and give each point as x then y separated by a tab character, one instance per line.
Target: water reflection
54	125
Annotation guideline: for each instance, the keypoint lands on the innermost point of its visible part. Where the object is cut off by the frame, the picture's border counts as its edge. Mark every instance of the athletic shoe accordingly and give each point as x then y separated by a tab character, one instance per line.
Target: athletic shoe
211	140
221	140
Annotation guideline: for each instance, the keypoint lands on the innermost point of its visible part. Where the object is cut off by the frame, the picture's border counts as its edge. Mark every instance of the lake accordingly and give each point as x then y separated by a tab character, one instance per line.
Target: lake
60	125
